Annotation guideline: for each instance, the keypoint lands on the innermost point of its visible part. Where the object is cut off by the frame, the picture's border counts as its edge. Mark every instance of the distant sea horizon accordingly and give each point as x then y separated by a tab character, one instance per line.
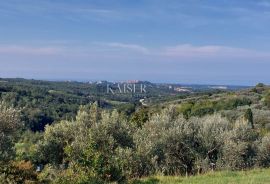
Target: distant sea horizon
83	80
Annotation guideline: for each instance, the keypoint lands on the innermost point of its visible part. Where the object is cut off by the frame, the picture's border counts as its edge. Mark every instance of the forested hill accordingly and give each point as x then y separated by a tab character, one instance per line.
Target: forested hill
45	102
77	133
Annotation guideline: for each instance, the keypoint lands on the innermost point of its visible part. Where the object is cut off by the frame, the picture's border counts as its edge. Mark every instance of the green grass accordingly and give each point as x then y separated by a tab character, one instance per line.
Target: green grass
225	177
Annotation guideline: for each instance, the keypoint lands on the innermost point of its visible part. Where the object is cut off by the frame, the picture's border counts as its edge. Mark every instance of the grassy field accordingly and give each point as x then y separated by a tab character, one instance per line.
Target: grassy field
225	177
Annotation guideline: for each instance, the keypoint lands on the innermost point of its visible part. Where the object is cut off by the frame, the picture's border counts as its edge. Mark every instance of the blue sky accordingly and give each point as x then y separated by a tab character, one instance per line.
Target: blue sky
183	41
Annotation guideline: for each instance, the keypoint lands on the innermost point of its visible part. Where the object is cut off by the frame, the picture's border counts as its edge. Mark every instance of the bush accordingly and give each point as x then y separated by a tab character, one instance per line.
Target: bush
18	172
95	153
264	152
240	147
261	117
212	133
267	100
102	146
56	137
174	145
9	126
88	145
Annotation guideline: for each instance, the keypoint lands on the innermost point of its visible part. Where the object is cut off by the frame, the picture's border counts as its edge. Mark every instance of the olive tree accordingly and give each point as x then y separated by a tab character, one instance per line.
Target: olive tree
264	152
9	125
167	143
240	147
211	133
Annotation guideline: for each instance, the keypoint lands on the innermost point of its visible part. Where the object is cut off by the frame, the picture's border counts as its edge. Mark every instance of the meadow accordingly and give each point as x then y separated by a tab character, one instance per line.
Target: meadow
256	176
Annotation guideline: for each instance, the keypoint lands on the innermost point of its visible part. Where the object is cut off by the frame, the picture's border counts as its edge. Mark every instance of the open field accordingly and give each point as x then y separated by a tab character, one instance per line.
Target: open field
226	177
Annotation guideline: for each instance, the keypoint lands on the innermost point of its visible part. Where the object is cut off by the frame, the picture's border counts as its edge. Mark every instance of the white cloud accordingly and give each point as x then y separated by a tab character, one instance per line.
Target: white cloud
128	51
188	50
182	51
48	9
264	4
132	47
26	50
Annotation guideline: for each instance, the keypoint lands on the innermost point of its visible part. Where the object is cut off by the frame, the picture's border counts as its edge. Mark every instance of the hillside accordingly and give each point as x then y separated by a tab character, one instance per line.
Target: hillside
45	102
69	132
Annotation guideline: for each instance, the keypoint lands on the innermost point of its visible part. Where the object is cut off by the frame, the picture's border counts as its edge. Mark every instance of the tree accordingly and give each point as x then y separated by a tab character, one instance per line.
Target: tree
249	117
56	138
167	144
267	100
264	152
186	109
140	117
94	151
260	85
240	147
9	125
88	145
212	132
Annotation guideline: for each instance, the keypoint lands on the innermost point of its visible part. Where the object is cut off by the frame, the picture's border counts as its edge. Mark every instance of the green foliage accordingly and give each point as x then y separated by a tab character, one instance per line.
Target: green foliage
103	146
249	117
211	133
56	137
37	119
260	176
186	109
232	103
97	153
264	152
127	109
206	107
267	100
18	172
202	108
260	85
179	146
89	144
9	126
140	117
26	147
45	102
126	140
240	147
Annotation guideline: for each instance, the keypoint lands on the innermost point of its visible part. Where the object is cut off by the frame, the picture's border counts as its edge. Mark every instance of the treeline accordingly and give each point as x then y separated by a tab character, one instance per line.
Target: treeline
46	102
204	107
43	102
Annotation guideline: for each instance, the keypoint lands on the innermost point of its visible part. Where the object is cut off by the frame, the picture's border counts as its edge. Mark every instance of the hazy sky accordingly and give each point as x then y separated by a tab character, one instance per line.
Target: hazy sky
185	41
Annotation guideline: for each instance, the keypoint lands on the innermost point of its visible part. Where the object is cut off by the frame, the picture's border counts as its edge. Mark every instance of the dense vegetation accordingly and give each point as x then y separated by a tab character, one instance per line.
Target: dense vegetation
44	102
51	134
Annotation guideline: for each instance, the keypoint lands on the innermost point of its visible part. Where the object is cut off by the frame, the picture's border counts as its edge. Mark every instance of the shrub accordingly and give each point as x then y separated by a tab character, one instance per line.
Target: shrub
240	148
18	172
212	133
56	137
249	117
167	145
267	100
264	152
94	149
9	125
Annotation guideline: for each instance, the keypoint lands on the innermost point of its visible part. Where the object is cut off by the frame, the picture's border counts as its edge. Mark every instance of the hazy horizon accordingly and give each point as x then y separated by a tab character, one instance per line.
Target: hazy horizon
127	80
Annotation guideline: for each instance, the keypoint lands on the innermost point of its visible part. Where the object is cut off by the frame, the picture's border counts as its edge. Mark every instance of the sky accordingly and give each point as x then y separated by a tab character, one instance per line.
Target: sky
174	41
